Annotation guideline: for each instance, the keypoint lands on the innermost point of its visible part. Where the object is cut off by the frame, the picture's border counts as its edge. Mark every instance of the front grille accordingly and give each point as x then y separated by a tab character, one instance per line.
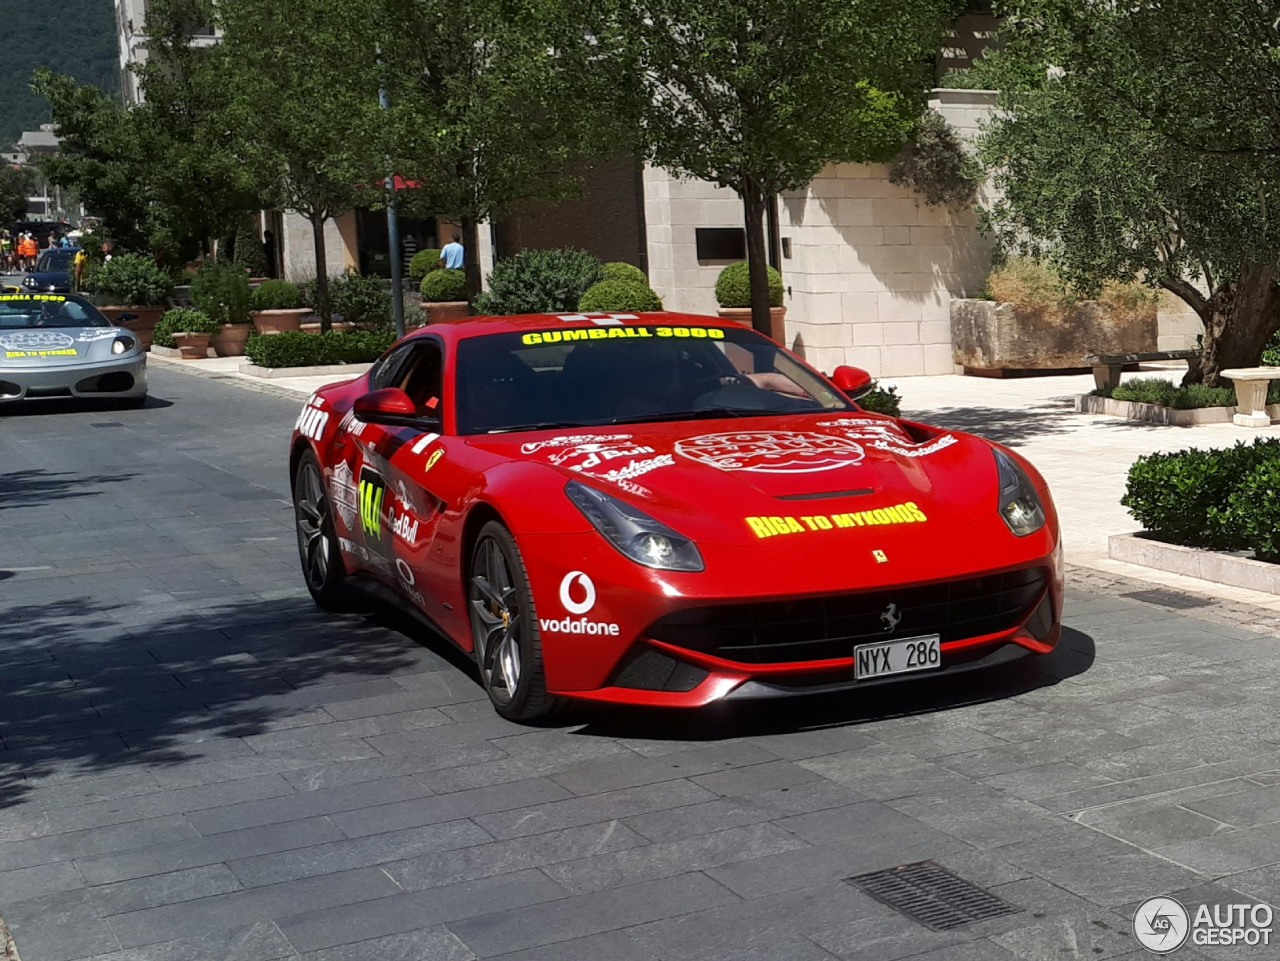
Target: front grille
9	389
824	628
650	670
115	382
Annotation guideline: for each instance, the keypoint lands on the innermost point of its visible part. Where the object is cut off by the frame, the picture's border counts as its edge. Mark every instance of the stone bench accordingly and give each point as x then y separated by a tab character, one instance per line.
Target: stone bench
1251	385
1107	367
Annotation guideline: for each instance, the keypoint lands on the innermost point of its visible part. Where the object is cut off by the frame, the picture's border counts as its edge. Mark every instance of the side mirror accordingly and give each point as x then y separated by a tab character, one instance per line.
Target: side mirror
854	382
390	406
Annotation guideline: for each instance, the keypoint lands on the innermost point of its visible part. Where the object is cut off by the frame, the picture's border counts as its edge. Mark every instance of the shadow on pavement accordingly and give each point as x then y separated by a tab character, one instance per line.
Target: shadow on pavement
1073	656
89	687
1002	424
51	406
36	488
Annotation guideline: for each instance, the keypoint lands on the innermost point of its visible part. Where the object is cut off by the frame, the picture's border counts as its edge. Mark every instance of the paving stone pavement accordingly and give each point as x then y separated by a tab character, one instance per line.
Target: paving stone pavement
197	765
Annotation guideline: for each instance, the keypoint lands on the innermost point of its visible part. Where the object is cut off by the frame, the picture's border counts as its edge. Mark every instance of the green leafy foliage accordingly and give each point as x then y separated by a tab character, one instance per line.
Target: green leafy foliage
221	290
616	270
298	349
882	400
1185	496
444	286
616	295
1165	393
249	253
130	279
79	39
1254	509
185	320
733	286
936	165
423	262
16	185
361	300
540	282
275	295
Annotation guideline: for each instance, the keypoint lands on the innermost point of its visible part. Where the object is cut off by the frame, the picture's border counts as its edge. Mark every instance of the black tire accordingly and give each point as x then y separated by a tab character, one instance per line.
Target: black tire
322	566
504	628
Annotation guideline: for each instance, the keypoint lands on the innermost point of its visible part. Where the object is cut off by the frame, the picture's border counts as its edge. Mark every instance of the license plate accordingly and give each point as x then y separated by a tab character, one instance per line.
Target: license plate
897	657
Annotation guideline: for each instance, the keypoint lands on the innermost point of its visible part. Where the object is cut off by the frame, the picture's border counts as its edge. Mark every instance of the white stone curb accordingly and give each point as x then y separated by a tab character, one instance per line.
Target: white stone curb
351	370
1214	566
1155	414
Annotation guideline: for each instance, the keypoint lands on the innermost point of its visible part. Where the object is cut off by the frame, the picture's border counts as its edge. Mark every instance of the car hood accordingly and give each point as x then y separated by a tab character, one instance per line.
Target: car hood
56	346
759	476
50	278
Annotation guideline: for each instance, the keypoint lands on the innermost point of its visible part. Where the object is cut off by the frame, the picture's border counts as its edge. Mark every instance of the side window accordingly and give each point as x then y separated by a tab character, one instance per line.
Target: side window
422	378
385	373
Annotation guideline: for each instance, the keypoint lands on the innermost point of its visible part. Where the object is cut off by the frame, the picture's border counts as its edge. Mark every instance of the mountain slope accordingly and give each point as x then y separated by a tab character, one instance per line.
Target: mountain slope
77	37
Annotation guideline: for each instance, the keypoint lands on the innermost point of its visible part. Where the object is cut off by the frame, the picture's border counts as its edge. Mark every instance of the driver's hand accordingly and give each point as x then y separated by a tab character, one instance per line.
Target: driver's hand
777	383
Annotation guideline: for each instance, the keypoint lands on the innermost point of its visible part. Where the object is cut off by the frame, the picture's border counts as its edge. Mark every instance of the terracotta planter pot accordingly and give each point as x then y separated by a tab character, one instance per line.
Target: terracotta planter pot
144	325
278	321
230	339
777	320
314	328
193	346
446	312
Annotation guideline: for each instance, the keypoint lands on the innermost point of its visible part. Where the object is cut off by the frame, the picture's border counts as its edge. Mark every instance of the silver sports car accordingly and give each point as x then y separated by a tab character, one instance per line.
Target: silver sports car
59	345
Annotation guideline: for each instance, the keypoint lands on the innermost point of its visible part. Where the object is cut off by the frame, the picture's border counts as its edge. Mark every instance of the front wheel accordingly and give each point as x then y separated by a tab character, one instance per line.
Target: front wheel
504	633
322	566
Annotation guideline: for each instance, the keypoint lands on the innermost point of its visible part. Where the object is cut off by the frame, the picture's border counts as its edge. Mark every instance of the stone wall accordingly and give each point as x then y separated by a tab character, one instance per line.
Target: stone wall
298	247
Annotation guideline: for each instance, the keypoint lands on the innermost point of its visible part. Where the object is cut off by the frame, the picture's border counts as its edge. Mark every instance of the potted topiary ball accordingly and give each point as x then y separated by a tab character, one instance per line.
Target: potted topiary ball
444	296
612	296
423	263
191	331
276	306
733	294
617	270
133	291
221	290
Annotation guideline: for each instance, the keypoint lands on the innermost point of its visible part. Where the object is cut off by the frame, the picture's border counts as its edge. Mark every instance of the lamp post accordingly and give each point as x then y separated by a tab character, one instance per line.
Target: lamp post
393	231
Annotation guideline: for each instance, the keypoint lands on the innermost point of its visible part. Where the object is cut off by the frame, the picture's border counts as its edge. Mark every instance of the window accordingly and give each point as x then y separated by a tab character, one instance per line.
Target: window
421	377
721	243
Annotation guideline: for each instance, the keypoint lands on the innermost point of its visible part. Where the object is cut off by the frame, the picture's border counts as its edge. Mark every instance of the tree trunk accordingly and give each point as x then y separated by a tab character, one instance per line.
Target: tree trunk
322	273
471	251
753	208
1239	319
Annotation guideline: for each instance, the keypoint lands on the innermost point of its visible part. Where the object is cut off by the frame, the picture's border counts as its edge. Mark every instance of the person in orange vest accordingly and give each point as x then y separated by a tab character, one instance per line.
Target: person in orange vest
28	249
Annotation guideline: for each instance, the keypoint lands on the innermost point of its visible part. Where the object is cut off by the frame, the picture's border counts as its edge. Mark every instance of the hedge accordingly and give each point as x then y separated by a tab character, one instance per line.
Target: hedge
444	286
1200	498
423	263
540	282
617	270
733	286
298	349
615	295
361	300
1165	393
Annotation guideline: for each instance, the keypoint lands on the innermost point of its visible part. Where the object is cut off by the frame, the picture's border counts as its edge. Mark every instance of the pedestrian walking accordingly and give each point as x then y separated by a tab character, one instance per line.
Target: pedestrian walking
453	256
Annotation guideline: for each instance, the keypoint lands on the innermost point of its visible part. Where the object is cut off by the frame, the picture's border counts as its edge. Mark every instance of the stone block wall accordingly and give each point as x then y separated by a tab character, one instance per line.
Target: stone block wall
298	247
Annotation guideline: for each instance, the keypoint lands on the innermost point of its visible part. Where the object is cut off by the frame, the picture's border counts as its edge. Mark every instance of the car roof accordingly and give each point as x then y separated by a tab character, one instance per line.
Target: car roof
522	323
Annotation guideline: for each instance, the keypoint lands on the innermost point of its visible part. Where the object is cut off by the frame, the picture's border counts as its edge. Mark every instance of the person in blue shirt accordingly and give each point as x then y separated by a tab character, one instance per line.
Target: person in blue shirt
453	256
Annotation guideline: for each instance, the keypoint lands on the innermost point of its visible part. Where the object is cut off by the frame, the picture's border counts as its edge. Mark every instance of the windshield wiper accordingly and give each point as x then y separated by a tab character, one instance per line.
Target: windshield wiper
542	425
708	414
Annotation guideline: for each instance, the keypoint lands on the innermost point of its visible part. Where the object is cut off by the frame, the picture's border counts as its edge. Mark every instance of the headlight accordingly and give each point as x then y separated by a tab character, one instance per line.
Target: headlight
123	344
1019	503
637	535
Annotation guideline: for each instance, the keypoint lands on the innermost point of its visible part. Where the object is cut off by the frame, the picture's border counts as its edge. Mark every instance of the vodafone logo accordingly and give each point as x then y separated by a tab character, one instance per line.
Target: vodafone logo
567	590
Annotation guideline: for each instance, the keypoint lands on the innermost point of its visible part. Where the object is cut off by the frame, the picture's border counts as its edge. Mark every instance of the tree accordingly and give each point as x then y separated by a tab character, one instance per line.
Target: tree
16	185
304	113
492	102
1143	142
760	95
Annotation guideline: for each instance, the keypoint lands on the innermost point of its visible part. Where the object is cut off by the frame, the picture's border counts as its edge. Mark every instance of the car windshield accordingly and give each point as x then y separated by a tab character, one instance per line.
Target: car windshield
628	373
47	310
54	260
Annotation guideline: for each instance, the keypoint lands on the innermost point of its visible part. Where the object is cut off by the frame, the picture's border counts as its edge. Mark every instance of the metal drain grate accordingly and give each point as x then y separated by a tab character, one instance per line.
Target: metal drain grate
930	894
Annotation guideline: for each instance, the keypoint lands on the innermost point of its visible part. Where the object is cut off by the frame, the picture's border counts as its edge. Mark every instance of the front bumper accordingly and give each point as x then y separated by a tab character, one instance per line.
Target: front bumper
123	377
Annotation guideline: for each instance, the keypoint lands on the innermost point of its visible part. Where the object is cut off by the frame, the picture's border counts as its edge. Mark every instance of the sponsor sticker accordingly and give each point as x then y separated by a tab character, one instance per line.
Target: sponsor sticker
620	332
37	343
773	452
373	494
777	526
346	498
30	298
313	420
578	597
352	424
94	334
585	457
569	440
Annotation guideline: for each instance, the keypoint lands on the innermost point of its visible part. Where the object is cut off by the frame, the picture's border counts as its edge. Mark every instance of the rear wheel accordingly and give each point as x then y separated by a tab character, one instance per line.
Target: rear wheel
508	649
322	566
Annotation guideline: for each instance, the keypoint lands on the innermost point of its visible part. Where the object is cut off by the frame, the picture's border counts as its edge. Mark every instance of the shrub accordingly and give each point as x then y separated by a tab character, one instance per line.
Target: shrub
611	295
442	286
936	165
130	280
221	290
616	270
182	320
247	251
364	301
1128	302
1254	510
733	287
540	282
296	349
275	295
1031	285
1271	355
1184	496
882	400
423	263
1157	390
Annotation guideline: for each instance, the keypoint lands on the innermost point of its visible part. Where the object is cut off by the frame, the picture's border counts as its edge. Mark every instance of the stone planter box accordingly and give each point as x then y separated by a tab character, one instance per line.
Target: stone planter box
159	351
1216	566
335	370
1155	414
987	336
278	321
